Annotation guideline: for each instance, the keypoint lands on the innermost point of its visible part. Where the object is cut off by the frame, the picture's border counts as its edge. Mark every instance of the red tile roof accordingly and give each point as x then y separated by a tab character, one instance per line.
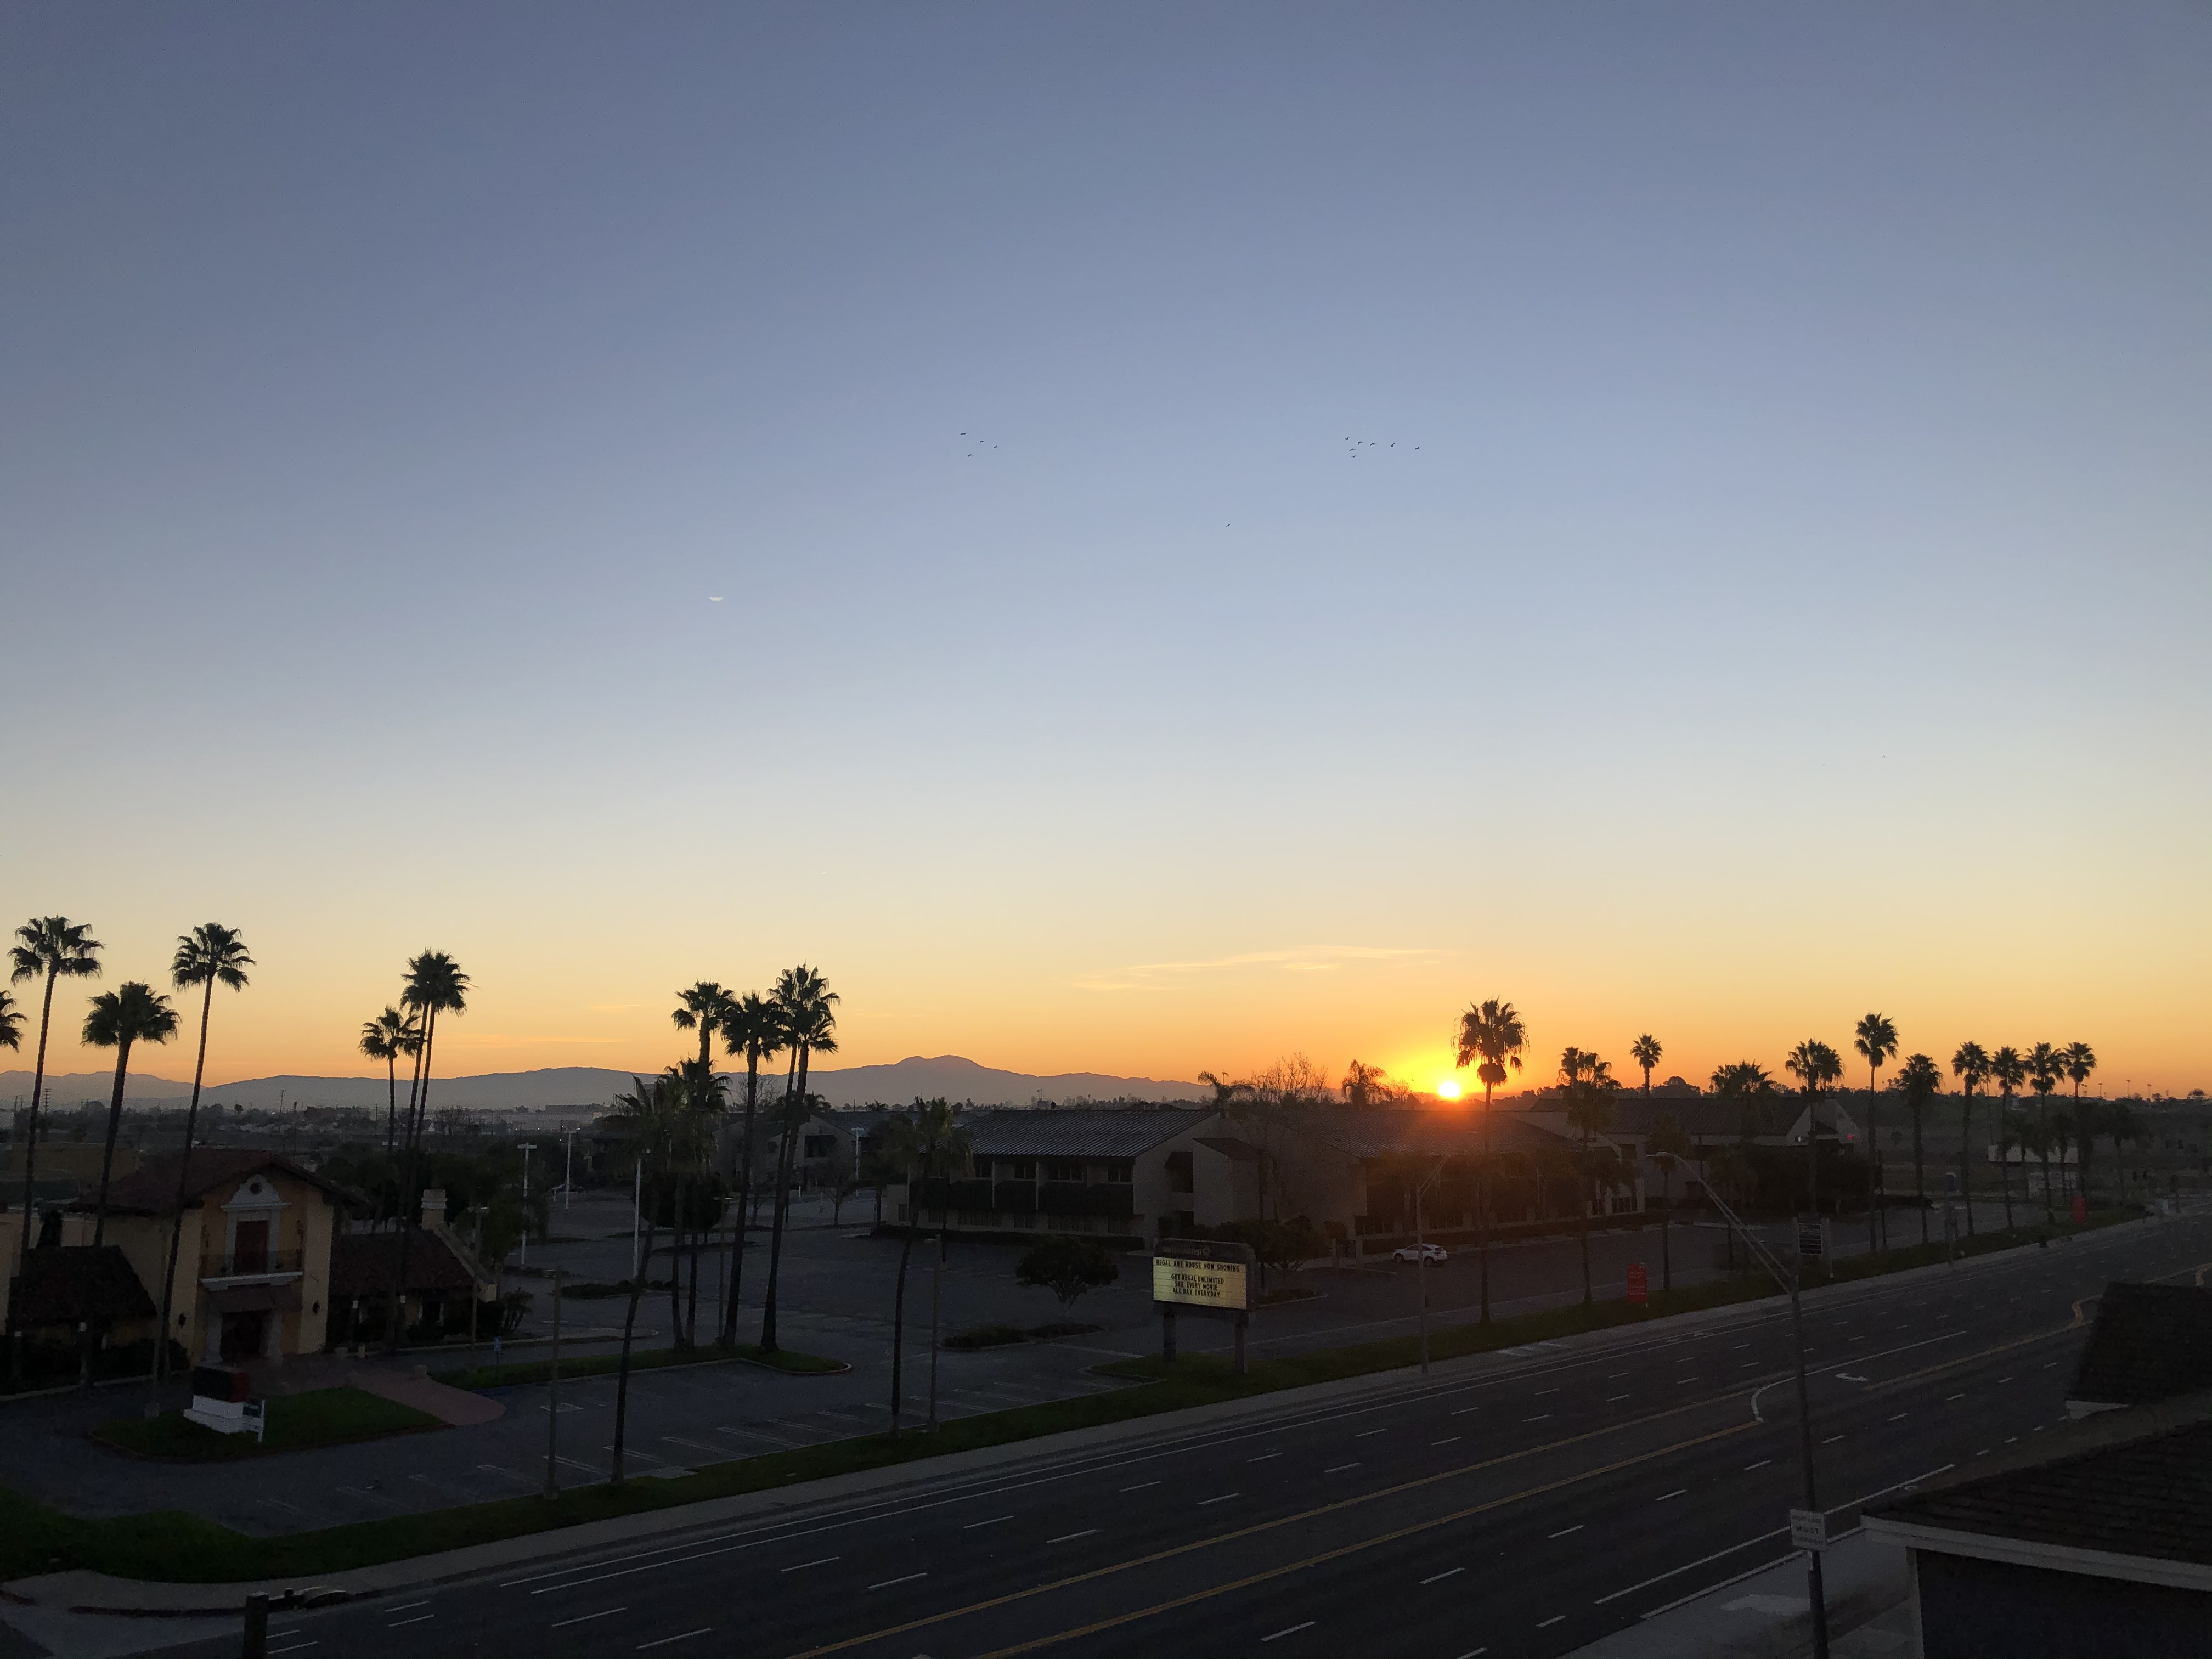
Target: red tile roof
151	1188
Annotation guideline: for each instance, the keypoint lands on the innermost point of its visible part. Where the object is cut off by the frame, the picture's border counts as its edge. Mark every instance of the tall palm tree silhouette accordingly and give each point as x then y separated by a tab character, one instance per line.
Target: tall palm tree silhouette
133	1012
211	955
1668	1144
751	1028
703	1007
660	1116
1646	1053
927	1145
1875	1038
1588	1085
48	948
805	1013
2008	1071
1815	1065
1491	1033
2080	1061
435	985
388	1037
2045	1065
1970	1066
1919	1081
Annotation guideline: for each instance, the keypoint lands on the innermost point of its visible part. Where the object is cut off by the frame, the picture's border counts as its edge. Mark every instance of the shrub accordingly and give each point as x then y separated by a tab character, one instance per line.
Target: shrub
1067	1267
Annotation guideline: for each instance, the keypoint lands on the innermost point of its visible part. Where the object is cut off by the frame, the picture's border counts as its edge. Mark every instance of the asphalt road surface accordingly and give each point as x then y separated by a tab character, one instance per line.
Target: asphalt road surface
1521	1505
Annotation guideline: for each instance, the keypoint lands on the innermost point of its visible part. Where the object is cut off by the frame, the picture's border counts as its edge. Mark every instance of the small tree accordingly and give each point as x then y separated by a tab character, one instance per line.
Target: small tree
1067	1267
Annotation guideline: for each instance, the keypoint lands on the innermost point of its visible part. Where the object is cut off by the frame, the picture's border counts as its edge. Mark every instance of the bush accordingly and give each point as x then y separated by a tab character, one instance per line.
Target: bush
1067	1267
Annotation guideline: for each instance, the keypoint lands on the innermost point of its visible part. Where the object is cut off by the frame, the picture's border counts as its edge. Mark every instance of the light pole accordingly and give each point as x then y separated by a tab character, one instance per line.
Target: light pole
1788	1281
569	1174
553	1402
525	1148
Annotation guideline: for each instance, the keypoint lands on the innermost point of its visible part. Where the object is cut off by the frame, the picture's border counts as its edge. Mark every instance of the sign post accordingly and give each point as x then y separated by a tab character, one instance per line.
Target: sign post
1639	1283
1204	1276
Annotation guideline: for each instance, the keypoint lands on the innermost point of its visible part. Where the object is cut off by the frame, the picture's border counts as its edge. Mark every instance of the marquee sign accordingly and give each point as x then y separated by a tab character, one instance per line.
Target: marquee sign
1191	1272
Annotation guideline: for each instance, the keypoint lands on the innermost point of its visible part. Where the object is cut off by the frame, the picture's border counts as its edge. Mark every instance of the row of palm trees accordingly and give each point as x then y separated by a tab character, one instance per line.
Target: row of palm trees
51	949
674	1121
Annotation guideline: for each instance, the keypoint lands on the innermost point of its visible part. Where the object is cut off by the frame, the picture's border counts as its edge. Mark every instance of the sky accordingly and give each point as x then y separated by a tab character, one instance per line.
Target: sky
1134	538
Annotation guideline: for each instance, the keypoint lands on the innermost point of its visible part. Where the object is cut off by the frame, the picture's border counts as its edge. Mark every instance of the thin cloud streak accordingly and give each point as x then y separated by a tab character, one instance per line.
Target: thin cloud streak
1304	959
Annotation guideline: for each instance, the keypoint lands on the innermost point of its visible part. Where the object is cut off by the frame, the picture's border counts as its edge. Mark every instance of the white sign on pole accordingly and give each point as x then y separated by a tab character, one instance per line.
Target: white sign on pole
1195	1281
1808	1529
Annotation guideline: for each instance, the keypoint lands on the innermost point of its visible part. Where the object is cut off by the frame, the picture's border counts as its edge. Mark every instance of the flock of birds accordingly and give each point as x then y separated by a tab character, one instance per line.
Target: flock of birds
1357	446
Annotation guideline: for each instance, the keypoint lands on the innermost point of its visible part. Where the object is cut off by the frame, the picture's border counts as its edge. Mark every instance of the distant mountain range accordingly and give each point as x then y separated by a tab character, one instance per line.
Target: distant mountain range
948	1075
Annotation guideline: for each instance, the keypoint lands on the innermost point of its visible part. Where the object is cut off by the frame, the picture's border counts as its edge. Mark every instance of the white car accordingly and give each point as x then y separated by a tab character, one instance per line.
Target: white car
1416	1252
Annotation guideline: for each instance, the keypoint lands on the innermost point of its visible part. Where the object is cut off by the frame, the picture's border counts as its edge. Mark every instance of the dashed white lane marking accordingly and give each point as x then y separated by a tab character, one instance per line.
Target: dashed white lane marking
992	1521
703	1630
1679	1492
1538	1418
419	1619
1364	1433
908	1579
1446	1441
1615	1399
1293	1630
1262	1457
1563	1531
1070	1537
819	1561
587	1617
1761	1464
1438	1577
1140	1485
1204	1503
1552	1620
1340	1468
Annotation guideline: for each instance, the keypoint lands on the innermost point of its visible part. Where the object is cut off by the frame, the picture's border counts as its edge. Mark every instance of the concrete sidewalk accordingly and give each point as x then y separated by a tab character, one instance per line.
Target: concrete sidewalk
1766	1614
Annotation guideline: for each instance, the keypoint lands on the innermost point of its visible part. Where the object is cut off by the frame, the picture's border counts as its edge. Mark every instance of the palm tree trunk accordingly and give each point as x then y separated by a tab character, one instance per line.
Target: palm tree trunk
107	1152
745	1196
1482	1200
621	1368
775	1217
184	1186
418	1106
31	1138
898	1309
679	1193
1919	1172
1965	1146
1585	1206
1874	1139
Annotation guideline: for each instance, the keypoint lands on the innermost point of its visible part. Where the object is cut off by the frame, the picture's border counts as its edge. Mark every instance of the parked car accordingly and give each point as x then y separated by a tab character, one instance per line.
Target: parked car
1415	1252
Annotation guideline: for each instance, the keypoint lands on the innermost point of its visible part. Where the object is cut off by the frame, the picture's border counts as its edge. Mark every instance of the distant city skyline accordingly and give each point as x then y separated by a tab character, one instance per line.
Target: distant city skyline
1693	520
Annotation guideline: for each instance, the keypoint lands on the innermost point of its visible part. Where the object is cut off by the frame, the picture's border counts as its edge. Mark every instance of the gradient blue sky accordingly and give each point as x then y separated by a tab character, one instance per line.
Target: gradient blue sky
1796	602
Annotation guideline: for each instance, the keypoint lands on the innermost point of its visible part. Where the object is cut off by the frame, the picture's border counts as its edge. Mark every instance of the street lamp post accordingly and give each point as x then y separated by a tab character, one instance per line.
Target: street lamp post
1421	1259
553	1402
1788	1281
525	1148
569	1174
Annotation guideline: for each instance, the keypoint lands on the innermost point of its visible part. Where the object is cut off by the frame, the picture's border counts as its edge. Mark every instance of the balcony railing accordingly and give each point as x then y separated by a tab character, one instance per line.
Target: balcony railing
245	1264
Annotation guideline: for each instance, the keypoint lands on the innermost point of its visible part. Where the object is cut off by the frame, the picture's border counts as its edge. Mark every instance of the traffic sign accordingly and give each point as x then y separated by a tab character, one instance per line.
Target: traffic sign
1808	1529
1639	1282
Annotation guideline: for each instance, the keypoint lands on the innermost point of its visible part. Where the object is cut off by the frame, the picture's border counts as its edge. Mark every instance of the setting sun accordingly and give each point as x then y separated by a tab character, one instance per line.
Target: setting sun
1448	1089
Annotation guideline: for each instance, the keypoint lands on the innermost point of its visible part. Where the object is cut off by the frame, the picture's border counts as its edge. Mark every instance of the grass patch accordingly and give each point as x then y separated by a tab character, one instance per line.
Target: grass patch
646	1359
1288	1293
325	1417
177	1548
1000	1336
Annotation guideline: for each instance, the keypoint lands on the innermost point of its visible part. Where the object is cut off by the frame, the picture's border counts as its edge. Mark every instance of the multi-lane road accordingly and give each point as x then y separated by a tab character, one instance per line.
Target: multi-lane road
1522	1503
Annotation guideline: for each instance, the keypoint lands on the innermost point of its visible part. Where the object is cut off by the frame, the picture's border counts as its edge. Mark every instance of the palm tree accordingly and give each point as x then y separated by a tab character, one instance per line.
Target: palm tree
211	955
1919	1081
11	1021
2082	1060
803	1000
1590	1085
2045	1065
1491	1032
1360	1084
1876	1040
48	948
1970	1066
1668	1144
1747	1082
120	1019
435	985
1223	1090
1816	1065
704	1006
751	1028
692	1207
1646	1053
2009	1071
386	1037
925	1145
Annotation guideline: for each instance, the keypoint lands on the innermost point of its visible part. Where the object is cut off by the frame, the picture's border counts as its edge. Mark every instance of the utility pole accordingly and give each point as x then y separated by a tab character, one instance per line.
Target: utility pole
569	1175
1788	1281
525	1148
